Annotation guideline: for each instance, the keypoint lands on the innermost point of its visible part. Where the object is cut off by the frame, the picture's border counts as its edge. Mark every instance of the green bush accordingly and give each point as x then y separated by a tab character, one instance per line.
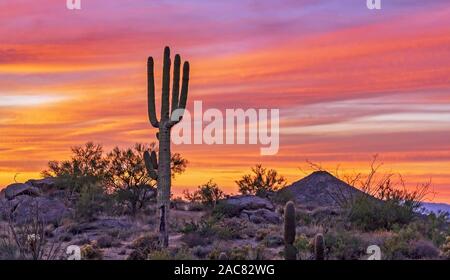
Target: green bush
283	196
261	181
92	200
207	194
164	254
91	252
302	243
408	243
343	245
244	252
143	246
369	214
224	209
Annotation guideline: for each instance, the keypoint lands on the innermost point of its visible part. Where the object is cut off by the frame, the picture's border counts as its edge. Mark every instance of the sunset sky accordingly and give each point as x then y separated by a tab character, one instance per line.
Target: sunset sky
349	82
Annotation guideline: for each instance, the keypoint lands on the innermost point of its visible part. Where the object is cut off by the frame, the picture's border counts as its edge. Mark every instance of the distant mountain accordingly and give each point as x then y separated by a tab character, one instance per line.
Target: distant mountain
320	188
435	207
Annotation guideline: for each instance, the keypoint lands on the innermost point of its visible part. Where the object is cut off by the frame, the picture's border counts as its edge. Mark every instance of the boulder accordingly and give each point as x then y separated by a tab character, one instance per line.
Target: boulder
101	225
261	216
4	207
25	208
249	202
45	185
17	189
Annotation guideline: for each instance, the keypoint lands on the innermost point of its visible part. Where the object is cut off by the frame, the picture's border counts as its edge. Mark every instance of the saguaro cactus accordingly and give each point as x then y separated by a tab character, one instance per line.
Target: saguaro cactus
290	252
319	247
160	169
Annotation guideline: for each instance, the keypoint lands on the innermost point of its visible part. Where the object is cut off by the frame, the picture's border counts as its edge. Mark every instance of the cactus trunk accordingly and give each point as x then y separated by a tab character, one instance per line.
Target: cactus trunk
319	247
290	252
161	170
164	184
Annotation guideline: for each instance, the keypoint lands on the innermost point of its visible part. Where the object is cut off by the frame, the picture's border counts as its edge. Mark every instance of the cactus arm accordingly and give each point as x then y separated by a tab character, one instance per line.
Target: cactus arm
149	165
165	86
151	93
184	86
176	82
177	116
154	160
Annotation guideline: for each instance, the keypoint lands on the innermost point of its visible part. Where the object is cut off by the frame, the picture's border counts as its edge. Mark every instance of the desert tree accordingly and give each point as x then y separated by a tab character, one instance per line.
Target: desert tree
261	181
86	167
128	178
208	194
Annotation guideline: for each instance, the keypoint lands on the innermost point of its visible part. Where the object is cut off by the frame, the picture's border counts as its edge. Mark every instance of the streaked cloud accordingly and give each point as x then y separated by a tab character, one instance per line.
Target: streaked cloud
28	100
349	82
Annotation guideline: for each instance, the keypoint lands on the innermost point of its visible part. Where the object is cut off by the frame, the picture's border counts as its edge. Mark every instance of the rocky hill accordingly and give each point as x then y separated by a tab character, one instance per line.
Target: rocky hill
322	189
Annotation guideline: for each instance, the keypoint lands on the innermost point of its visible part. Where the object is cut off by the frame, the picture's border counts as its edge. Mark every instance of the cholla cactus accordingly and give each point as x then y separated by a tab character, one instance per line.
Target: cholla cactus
159	167
290	252
319	247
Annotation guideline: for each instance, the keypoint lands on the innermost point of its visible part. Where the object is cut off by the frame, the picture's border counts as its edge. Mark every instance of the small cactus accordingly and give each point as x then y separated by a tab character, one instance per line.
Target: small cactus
290	252
319	247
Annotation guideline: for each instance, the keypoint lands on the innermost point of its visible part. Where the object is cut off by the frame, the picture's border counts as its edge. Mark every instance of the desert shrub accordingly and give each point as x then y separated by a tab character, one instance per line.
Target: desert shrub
91	252
273	240
245	252
203	227
369	215
232	228
343	245
423	249
261	181
398	246
66	237
384	200
200	233
201	251
207	194
261	234
105	241
162	254
165	254
8	248
436	227
446	248
31	238
92	200
223	209
194	239
282	197
196	207
302	243
143	246
303	218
